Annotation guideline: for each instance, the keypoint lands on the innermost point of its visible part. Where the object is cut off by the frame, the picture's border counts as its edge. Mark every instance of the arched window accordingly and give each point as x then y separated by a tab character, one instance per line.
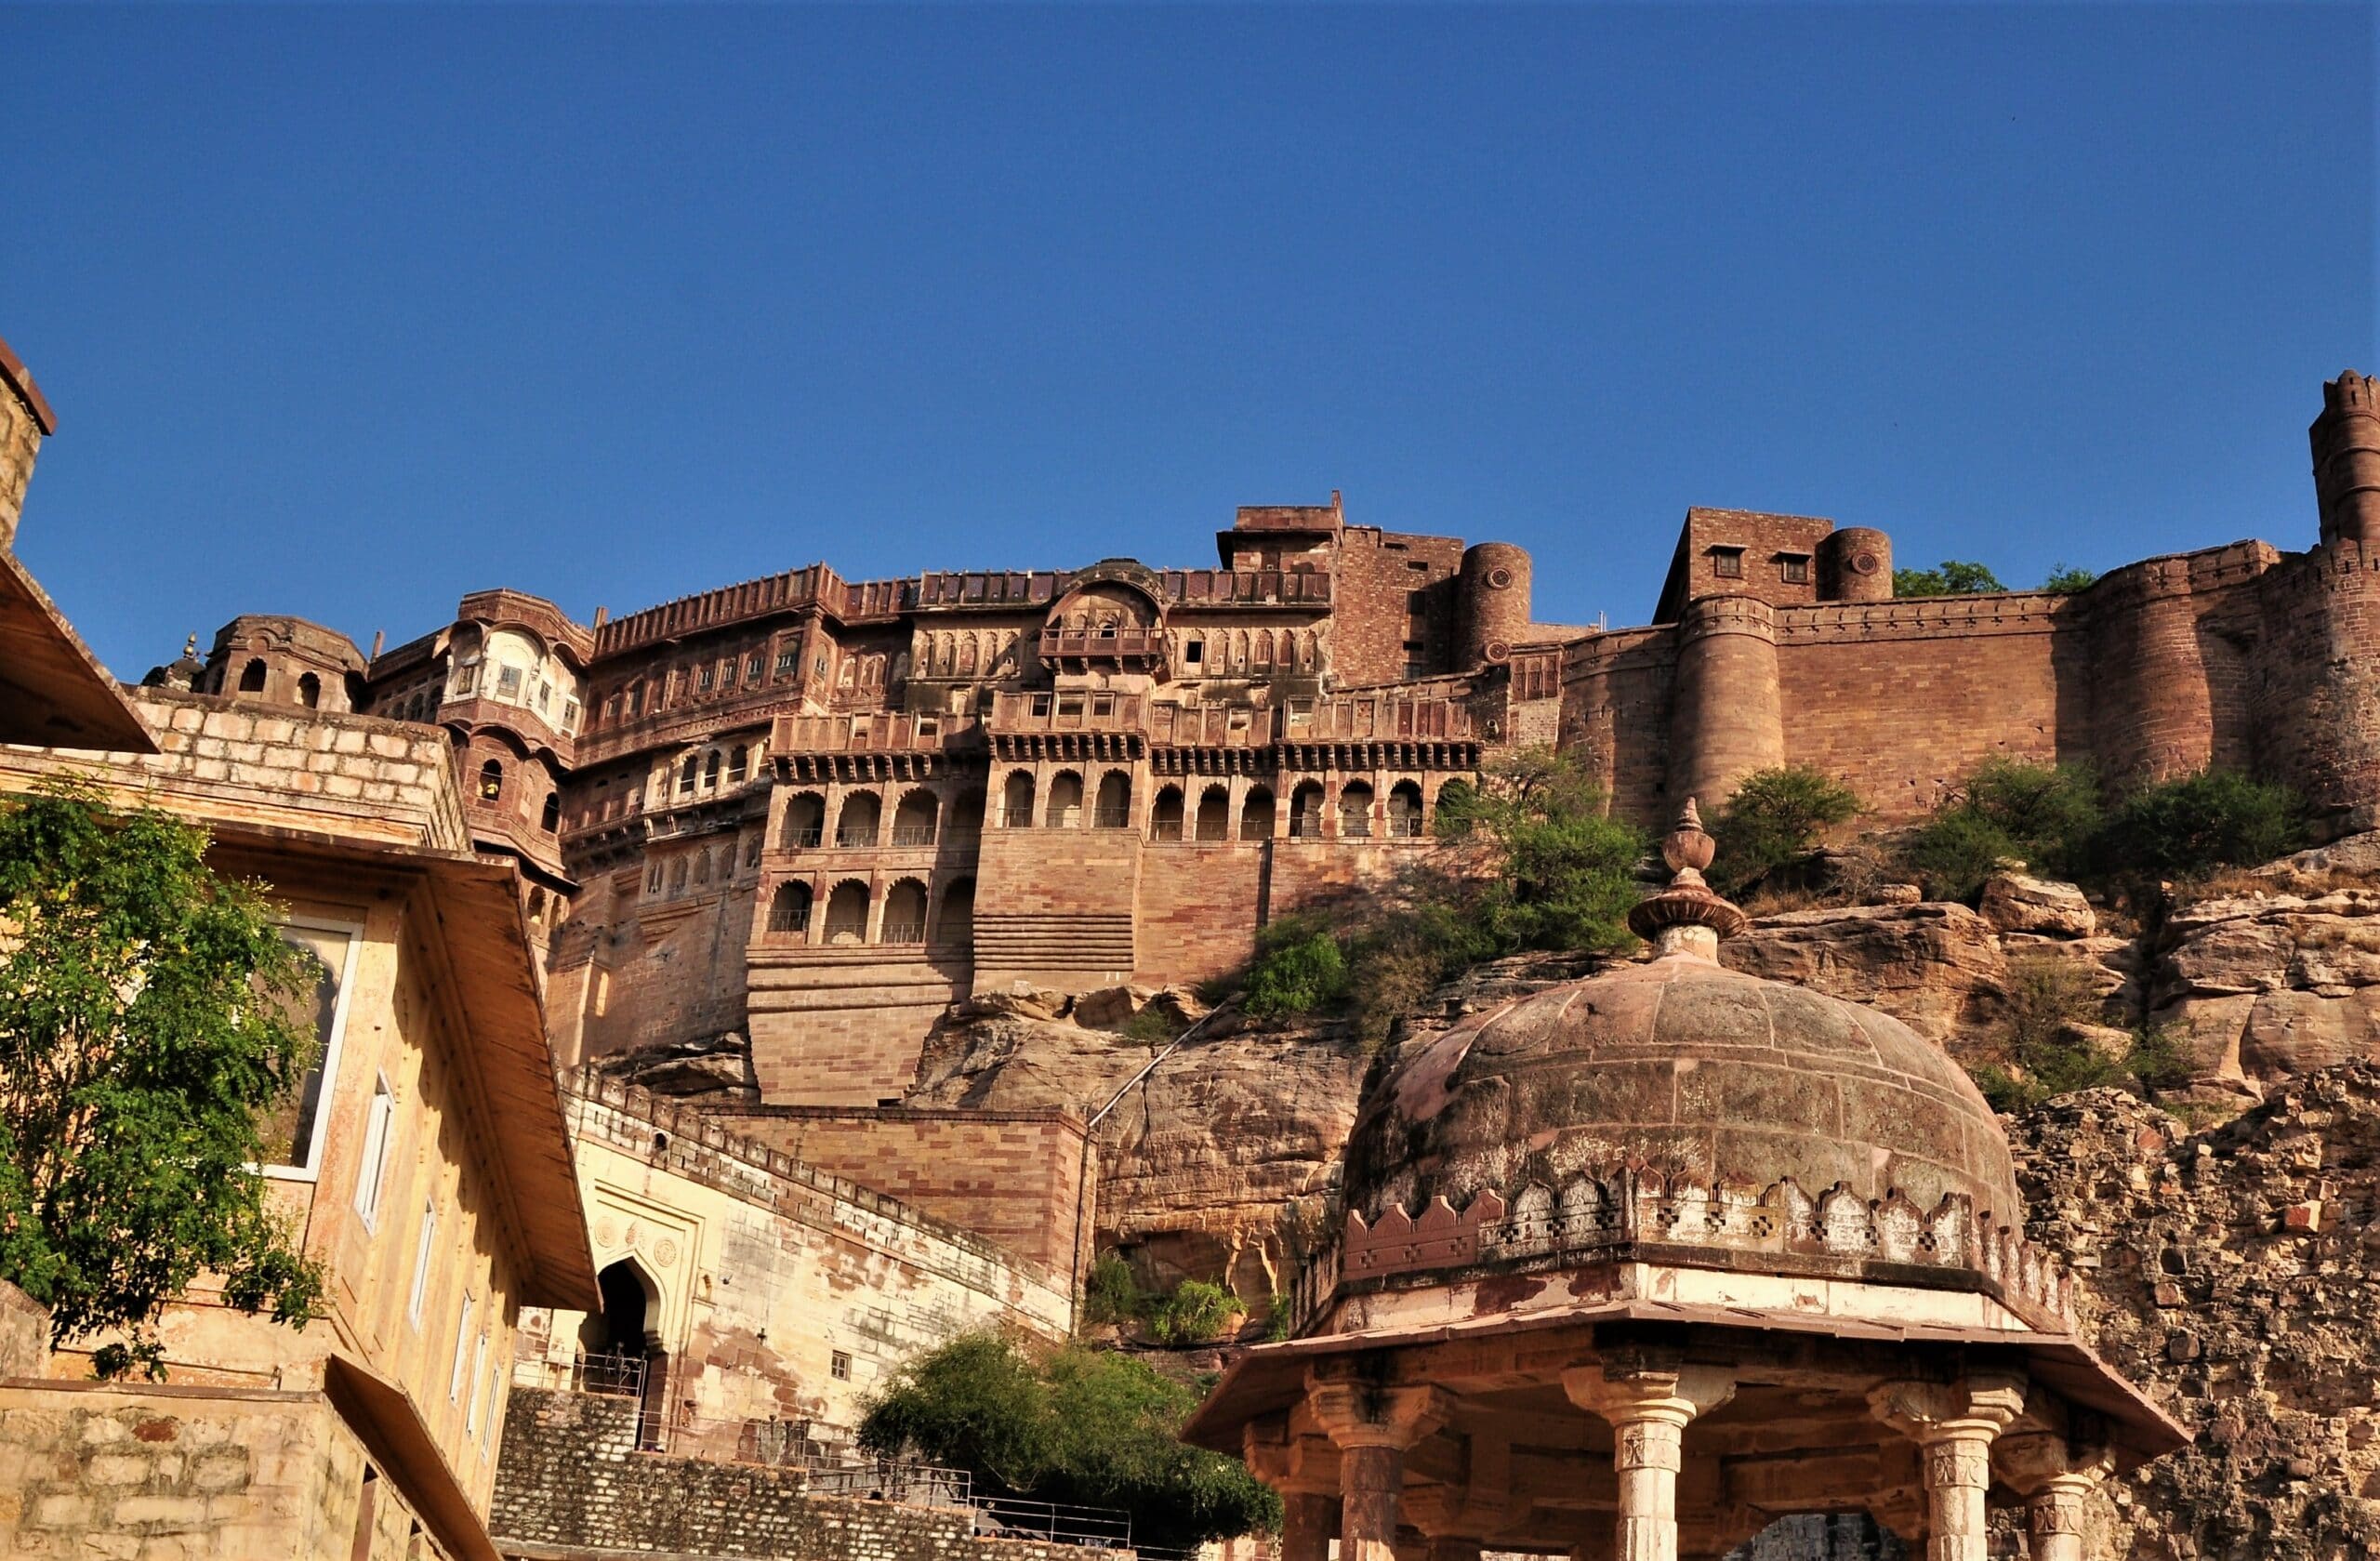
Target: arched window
252	676
1115	809
678	876
490	780
309	691
550	818
1214	813
711	769
789	911
1065	800
858	826
847	912
686	778
1355	810
914	820
702	867
1256	815
1305	811
805	821
1405	811
904	913
956	922
739	763
967	814
1017	801
536	905
653	879
1165	817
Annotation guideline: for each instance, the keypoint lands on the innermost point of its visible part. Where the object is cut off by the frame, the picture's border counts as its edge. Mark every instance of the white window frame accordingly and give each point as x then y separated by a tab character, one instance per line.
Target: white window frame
332	1048
462	1337
421	1262
379	1141
478	1381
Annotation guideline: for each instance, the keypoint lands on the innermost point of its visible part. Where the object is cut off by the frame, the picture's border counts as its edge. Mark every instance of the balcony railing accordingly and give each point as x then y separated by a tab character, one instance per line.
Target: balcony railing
855	839
913	834
903	932
1112	819
794	840
1354	828
1065	818
1406	827
1165	829
1016	818
789	920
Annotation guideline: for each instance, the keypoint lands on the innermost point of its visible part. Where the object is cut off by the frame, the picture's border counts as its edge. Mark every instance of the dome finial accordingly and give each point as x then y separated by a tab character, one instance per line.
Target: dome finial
1686	918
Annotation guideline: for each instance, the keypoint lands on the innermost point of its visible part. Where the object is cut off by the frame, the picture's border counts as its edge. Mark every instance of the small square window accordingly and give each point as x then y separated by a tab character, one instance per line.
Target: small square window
508	683
786	662
1194	652
1041	704
1102	703
1070	704
752	667
703	679
840	1366
1727	562
1793	568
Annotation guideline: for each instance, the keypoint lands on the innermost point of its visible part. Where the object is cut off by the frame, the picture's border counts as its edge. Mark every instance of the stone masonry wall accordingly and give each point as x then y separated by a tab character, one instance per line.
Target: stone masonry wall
20	431
570	1483
1015	1177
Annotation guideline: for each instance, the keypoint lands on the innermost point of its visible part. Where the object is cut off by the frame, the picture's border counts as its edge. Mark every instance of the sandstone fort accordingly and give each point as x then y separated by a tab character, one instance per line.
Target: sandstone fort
729	997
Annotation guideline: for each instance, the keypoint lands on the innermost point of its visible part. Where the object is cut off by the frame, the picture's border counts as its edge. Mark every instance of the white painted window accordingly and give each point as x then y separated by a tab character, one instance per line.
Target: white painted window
479	1384
421	1262
462	1337
371	1175
293	1133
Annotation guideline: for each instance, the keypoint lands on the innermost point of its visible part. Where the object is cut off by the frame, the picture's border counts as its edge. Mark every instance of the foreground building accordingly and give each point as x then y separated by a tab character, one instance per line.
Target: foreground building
1635	1265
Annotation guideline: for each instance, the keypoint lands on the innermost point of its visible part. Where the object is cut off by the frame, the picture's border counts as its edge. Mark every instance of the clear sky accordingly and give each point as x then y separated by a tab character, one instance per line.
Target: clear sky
347	311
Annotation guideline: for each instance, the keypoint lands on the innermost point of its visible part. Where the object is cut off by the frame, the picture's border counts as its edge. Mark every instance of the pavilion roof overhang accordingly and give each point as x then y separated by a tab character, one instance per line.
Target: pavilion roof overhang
1271	1379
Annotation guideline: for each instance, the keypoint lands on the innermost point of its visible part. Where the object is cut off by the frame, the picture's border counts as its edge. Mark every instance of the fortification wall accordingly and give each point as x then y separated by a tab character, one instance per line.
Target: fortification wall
1389	595
844	1027
1013	1177
1618	690
1198	906
780	1291
2317	722
1057	908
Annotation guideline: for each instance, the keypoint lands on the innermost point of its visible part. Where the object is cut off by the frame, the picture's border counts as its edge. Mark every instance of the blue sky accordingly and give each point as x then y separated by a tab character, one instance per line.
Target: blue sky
347	311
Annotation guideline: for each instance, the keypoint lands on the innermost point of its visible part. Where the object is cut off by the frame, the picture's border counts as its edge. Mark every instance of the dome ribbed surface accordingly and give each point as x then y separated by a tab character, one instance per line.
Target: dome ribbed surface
1689	1069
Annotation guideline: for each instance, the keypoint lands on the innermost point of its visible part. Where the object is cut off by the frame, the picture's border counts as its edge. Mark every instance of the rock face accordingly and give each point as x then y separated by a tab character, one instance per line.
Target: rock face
2016	903
1937	967
2236	1276
2265	987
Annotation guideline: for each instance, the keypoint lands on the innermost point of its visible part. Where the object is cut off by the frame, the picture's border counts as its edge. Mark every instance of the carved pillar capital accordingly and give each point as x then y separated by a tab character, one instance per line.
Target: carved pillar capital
1954	1425
1360	1414
1648	1408
2056	1477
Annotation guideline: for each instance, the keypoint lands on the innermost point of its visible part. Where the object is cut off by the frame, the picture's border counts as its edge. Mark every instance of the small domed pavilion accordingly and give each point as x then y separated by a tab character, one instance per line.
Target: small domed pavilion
1639	1264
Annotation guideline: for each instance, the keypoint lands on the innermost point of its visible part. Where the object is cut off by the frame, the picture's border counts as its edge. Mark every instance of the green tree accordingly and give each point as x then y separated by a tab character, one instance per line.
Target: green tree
1073	1425
1952	577
1299	969
2047	815
2065	580
2191	825
1557	870
147	1027
1775	817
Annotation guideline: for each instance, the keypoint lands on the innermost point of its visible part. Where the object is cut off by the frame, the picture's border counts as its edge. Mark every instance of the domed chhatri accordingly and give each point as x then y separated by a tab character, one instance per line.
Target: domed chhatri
1636	1265
1687	1069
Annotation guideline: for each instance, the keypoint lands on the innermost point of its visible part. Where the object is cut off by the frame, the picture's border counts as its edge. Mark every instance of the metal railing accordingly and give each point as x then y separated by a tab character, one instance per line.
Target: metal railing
1112	819
789	920
913	834
603	1376
796	838
1406	827
1009	1517
1354	828
855	838
903	932
1165	829
1065	818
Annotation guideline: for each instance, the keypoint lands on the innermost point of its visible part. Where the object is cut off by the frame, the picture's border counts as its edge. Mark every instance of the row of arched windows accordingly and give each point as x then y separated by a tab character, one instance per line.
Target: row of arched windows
698	869
851	915
491	789
703	770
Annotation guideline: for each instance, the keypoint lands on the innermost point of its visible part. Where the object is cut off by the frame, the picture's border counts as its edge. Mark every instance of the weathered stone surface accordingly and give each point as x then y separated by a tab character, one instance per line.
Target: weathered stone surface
2267	987
1112	1007
2019	902
1937	967
2235	1274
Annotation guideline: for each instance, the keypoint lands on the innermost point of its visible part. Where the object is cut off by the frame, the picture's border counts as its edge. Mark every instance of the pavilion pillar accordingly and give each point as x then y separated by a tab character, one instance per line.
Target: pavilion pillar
1953	1424
1373	1427
1647	1412
1309	1496
2056	1477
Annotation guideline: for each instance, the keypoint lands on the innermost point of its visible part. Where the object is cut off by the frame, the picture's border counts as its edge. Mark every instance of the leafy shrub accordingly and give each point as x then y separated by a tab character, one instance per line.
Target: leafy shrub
1394	961
2040	1053
1556	870
1110	1294
1073	1424
1953	577
1277	1317
2048	815
1299	969
1151	1027
2159	1060
1197	1313
2189	826
2065	580
1775	817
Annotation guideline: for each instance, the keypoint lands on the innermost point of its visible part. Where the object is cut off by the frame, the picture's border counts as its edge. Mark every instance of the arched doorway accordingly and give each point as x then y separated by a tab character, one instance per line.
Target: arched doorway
622	1350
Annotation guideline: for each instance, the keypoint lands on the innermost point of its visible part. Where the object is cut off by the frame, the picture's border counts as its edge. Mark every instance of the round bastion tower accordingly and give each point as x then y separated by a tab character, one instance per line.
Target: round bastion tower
1856	564
2346	459
1729	716
1495	603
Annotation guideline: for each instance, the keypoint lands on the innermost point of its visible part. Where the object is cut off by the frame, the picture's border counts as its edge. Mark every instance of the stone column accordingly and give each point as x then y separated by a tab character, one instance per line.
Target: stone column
1307	1519
1373	1427
2054	1476
1953	1424
1647	1412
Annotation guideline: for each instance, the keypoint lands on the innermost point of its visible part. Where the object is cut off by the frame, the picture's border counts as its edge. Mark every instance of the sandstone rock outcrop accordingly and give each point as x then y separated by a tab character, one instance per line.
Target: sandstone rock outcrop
2237	1273
2265	987
1937	967
2019	903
